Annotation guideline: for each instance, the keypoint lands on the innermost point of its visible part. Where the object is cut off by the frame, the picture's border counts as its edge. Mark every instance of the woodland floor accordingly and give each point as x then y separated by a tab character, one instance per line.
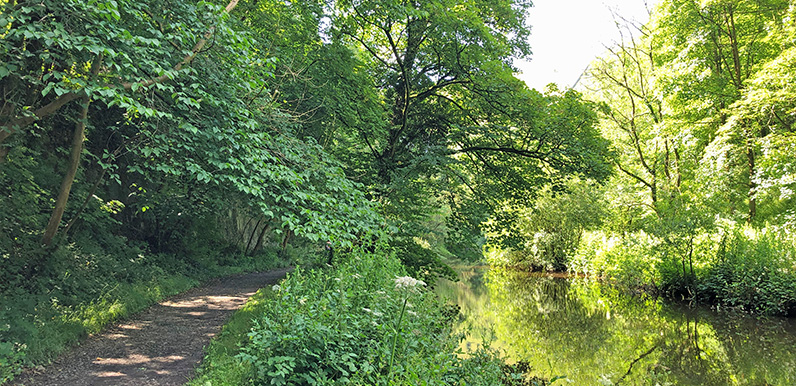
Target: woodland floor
162	345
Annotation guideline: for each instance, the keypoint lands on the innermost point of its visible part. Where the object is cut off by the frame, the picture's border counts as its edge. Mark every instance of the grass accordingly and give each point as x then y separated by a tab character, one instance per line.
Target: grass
220	366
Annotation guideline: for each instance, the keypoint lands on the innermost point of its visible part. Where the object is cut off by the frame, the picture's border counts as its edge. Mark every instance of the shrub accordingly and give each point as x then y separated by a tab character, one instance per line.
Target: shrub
754	270
547	234
361	324
629	260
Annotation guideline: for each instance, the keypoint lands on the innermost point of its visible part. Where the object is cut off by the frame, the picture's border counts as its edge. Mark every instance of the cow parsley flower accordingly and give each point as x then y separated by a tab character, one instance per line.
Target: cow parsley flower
408	282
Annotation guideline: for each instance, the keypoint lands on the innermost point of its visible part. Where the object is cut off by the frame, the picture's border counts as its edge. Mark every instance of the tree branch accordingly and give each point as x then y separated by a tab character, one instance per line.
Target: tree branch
503	149
18	123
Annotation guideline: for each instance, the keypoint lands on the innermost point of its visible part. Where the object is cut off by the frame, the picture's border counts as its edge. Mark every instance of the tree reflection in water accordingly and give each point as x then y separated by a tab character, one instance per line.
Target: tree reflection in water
594	334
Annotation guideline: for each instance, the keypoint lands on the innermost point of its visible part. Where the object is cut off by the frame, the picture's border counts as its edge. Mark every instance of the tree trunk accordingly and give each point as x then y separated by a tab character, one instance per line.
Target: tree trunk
285	240
69	178
750	156
253	236
85	202
261	238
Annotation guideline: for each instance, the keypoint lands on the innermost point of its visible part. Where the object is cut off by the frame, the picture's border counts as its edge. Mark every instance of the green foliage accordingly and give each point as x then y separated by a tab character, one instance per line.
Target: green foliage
734	266
753	270
420	262
698	105
765	107
11	358
360	324
338	327
630	260
205	133
432	118
547	234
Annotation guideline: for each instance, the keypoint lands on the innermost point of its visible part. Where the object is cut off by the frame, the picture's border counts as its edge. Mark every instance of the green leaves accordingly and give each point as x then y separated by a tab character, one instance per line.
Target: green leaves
349	325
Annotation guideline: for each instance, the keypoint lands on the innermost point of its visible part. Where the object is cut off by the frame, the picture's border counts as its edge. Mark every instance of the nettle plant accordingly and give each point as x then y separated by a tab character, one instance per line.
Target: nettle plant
352	325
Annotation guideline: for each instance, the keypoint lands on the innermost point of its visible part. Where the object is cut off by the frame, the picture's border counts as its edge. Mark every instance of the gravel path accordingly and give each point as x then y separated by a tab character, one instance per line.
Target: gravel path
160	346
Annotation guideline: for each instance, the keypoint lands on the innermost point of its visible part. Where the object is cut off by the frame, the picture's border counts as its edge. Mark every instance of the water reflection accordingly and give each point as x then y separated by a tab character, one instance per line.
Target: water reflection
595	335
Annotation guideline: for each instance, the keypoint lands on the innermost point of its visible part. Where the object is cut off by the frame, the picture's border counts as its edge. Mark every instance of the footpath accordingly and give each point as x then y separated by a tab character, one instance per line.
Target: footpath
162	345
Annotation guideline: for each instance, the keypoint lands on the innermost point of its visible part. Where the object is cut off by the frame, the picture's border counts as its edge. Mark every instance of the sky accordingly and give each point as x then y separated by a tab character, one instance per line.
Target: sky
566	35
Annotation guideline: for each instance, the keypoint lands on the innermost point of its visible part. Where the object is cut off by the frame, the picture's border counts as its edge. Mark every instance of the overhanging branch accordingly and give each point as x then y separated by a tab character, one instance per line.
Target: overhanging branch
18	123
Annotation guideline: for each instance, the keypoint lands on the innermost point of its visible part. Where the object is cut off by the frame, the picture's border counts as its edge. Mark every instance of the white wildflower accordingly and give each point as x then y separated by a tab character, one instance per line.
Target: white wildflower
276	288
407	282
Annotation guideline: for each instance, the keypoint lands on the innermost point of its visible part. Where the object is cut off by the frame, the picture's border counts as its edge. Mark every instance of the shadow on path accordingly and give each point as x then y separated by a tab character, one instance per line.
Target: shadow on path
162	345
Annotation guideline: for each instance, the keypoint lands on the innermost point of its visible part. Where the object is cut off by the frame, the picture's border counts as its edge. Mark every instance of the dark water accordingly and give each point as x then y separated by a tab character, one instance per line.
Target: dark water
594	335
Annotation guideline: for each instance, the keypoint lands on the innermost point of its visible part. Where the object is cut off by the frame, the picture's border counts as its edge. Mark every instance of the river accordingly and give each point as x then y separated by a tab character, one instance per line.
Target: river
595	335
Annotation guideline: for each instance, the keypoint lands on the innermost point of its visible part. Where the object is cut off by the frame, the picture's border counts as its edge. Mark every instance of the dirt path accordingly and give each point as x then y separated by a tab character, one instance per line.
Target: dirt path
160	346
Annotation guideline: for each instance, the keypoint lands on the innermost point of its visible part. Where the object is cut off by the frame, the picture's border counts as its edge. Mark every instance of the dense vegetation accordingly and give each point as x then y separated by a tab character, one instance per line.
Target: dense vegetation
146	145
359	323
699	107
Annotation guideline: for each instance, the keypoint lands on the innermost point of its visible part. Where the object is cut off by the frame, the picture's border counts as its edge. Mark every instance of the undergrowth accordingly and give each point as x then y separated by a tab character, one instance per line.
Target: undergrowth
362	322
740	266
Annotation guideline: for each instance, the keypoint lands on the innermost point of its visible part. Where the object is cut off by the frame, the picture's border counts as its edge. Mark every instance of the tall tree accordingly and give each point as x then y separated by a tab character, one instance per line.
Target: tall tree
766	107
624	80
456	115
709	50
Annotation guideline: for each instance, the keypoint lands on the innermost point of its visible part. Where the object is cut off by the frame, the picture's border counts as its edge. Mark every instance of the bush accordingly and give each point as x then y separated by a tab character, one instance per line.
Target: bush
754	270
548	234
629	260
361	324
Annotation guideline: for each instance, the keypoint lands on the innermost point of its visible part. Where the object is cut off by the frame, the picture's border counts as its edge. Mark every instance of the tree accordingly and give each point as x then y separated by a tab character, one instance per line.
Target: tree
708	51
46	47
180	89
766	107
456	115
633	116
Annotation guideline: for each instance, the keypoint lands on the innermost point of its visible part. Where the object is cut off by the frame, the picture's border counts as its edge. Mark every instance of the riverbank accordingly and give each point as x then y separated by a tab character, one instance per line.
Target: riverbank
739	267
361	322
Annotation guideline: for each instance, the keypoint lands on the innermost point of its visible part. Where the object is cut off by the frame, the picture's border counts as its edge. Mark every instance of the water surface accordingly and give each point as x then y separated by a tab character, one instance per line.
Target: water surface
595	335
